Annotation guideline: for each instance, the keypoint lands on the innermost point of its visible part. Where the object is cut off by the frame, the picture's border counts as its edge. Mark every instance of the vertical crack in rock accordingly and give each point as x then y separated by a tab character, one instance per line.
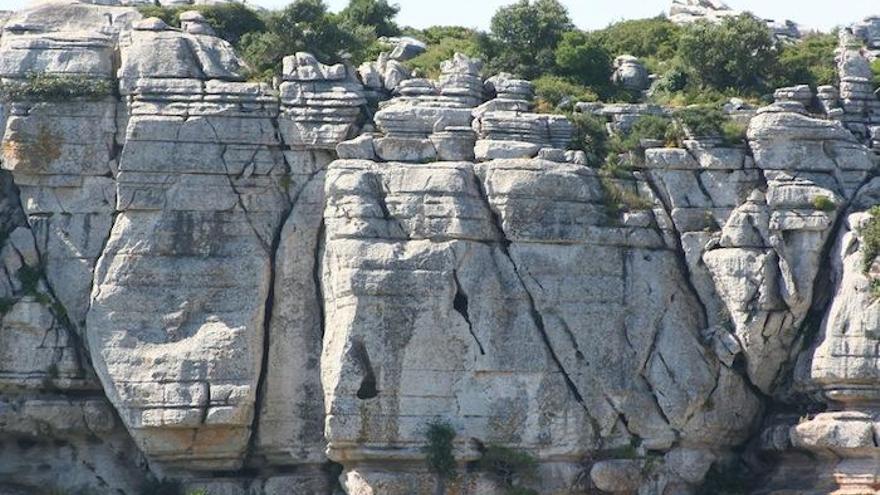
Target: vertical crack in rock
56	307
269	307
359	354
460	304
538	319
678	250
317	271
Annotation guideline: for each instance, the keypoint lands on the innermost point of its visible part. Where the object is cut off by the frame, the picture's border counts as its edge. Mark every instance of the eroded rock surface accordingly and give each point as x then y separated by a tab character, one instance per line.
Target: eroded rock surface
256	289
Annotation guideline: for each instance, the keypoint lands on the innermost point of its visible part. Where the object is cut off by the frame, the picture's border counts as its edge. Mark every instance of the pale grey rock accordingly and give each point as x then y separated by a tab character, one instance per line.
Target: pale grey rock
320	104
359	148
630	73
617	476
405	47
292	413
486	150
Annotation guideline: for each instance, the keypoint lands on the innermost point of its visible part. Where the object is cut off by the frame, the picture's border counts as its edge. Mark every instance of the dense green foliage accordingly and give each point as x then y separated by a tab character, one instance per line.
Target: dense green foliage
582	58
305	25
376	13
736	53
552	91
48	87
809	62
653	40
230	21
443	42
524	36
438	449
702	64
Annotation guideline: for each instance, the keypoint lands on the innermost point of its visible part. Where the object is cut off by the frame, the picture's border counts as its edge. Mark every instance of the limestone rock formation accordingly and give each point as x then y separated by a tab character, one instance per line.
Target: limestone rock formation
253	289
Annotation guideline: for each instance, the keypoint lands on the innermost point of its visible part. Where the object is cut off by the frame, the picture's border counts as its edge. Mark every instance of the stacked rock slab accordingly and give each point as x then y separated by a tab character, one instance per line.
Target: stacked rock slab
177	318
861	107
506	128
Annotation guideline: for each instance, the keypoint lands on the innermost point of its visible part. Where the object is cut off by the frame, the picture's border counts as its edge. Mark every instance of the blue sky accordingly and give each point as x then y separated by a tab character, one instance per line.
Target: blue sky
590	14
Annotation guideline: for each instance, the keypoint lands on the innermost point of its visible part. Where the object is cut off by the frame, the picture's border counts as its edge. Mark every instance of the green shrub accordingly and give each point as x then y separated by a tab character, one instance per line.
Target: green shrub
870	234
582	58
377	14
875	69
508	465
49	87
652	127
6	303
810	61
737	53
875	289
438	449
824	203
230	21
590	137
443	42
524	37
703	121
733	132
551	91
619	199
655	38
672	81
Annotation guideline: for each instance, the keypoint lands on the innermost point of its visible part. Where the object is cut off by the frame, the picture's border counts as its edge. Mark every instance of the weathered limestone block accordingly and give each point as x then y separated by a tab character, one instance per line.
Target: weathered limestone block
320	104
156	51
78	437
177	322
789	141
630	73
63	38
612	346
843	364
61	155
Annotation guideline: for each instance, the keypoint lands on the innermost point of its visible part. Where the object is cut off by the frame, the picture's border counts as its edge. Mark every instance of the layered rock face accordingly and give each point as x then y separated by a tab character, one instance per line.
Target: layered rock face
251	289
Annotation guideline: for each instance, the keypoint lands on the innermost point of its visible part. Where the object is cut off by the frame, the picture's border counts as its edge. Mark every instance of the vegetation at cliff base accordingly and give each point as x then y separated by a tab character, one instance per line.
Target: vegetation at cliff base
438	449
510	468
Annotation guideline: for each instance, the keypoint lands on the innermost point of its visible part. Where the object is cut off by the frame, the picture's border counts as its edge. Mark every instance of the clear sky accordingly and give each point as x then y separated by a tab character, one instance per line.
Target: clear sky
590	14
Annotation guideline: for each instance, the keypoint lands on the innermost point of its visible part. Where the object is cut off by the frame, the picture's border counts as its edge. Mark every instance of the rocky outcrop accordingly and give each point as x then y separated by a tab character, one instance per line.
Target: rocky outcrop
244	288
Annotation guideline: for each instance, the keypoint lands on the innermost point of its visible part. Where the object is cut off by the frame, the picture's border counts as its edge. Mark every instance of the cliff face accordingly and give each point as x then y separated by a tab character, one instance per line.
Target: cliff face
243	288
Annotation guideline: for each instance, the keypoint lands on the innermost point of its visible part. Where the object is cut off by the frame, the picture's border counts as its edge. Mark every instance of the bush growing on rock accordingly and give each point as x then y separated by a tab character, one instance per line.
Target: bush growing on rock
653	40
582	58
510	467
438	449
50	87
443	43
811	61
552	91
378	14
524	37
230	21
734	54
